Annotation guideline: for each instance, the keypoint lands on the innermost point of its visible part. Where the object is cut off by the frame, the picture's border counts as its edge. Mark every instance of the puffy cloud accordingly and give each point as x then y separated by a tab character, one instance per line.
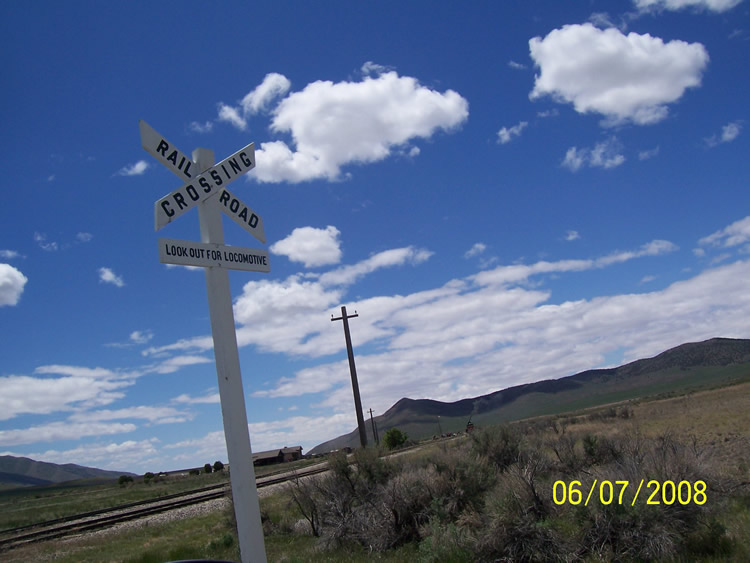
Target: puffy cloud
572	235
133	169
674	5
310	246
12	282
333	124
603	155
505	135
106	275
626	78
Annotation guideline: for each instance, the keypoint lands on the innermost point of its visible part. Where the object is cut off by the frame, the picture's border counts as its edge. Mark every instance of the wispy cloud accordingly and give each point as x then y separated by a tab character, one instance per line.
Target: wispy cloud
133	169
506	134
477	249
606	154
106	275
41	240
729	133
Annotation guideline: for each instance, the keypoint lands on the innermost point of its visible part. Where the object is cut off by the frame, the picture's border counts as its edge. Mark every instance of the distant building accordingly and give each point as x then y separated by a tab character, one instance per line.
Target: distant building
280	455
292	454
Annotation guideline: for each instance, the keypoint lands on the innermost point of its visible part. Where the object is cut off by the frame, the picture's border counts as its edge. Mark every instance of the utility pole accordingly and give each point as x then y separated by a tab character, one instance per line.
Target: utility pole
374	429
353	371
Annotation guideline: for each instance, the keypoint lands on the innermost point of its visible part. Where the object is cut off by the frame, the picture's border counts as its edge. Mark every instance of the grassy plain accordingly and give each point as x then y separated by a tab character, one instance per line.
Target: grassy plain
713	425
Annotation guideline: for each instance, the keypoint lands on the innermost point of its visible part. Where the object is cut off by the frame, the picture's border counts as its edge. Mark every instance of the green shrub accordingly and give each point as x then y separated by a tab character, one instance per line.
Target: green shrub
394	438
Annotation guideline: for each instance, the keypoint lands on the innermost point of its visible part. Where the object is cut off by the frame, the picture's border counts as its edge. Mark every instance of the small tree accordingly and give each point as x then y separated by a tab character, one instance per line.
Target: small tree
148	477
207	468
218	466
394	438
124	480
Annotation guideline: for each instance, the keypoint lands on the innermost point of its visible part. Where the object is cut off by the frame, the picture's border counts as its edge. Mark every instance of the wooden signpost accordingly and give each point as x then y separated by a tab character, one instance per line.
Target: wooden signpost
204	181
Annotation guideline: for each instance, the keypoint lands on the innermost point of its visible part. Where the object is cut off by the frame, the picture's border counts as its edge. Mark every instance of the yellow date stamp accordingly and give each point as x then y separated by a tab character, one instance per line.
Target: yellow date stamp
609	492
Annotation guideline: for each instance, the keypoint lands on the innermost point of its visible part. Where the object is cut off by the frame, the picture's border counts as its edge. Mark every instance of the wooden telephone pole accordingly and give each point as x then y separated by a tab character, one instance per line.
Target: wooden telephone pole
353	371
374	429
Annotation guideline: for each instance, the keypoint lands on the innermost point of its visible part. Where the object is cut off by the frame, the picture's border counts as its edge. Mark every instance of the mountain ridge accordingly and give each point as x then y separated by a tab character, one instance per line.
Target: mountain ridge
676	368
23	472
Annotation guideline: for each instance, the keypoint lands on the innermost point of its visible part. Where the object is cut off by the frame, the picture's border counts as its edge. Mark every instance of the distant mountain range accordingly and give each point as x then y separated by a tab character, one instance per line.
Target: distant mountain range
24	472
689	366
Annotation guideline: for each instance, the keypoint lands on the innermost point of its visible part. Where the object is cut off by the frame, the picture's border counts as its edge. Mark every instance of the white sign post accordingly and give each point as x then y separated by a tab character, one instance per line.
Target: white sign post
216	257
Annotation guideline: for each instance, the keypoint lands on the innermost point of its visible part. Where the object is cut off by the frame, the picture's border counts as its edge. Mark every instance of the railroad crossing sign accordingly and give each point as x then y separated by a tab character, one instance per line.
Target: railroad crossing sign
202	184
204	180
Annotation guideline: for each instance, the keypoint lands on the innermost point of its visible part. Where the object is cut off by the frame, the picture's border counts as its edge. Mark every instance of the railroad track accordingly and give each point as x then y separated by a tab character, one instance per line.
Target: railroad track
98	519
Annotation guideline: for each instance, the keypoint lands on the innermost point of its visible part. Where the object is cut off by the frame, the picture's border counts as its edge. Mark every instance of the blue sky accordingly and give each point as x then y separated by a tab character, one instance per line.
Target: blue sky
505	192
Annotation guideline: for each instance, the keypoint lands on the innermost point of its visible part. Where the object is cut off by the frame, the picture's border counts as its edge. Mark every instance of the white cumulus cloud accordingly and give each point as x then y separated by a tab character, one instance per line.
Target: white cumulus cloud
626	78
334	124
12	282
310	246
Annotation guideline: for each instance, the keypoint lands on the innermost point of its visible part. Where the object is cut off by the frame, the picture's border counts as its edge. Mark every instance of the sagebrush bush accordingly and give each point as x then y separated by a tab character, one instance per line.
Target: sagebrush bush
490	498
500	445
